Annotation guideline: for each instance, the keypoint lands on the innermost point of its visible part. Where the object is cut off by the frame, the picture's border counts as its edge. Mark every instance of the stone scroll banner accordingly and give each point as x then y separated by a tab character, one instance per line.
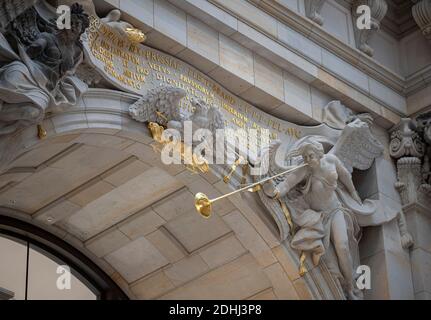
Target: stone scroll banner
136	68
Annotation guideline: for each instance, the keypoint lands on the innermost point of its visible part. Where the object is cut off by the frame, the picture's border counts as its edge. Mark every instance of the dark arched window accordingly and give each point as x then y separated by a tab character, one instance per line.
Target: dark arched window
36	265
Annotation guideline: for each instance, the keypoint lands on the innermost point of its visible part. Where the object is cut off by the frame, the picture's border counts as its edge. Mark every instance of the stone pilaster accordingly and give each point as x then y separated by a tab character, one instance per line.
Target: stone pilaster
312	10
378	9
409	146
422	14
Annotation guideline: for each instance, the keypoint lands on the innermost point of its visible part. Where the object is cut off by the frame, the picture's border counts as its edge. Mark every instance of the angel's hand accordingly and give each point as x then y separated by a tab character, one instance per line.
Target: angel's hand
356	197
270	189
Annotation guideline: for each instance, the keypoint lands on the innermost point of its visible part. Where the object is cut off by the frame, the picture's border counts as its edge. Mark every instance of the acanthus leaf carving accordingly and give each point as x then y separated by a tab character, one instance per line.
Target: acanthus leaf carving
410	145
405	141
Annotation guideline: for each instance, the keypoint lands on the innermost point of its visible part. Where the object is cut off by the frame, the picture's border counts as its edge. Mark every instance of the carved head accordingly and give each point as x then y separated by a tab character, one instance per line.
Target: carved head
312	152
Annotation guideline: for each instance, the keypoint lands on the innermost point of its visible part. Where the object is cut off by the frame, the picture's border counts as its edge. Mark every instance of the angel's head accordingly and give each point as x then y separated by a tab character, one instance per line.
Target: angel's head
312	152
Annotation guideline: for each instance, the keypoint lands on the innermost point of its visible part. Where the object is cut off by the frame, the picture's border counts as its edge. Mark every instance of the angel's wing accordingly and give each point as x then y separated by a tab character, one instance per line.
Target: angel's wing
159	105
357	147
11	9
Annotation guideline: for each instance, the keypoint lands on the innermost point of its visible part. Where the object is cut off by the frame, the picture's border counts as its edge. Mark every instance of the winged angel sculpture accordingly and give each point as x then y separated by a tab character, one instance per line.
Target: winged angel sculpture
37	62
322	207
161	105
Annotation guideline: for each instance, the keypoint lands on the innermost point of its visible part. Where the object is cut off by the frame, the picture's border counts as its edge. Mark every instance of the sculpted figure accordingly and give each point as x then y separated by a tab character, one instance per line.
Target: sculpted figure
37	63
326	218
317	208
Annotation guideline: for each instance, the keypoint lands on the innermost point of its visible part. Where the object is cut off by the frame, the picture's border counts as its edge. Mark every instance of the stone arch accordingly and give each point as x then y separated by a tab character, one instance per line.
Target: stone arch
96	182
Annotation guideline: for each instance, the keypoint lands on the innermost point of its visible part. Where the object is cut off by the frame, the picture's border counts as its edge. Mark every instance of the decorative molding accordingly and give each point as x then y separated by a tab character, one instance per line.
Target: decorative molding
403	86
334	45
312	10
422	14
411	146
379	8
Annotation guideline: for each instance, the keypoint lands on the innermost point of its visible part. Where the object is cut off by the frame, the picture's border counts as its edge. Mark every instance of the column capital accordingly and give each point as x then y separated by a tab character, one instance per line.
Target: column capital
405	141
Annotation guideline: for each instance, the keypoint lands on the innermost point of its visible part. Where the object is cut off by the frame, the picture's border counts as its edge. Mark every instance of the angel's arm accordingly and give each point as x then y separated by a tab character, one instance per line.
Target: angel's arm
289	182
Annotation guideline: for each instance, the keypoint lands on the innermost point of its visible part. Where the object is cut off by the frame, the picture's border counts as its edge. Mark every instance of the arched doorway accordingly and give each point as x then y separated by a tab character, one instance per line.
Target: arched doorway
37	265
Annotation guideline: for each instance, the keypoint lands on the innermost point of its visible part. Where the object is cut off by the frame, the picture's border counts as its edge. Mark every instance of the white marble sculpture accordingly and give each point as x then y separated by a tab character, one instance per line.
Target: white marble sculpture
326	211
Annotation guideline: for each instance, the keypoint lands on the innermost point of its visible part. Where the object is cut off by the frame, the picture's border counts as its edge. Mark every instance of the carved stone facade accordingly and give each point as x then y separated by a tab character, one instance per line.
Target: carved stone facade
410	145
257	64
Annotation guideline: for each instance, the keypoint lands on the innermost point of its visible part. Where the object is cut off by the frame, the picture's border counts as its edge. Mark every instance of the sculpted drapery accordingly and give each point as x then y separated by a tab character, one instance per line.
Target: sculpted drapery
37	63
325	209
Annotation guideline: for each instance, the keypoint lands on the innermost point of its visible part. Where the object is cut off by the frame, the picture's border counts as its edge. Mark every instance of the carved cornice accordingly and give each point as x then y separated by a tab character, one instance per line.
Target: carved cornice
379	9
422	14
312	10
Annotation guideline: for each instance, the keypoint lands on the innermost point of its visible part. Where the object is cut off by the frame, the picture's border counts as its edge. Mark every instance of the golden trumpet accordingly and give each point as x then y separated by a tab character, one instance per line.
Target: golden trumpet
203	204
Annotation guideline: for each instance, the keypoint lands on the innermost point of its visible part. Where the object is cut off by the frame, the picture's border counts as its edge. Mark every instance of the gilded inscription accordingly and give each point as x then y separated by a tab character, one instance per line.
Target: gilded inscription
138	68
